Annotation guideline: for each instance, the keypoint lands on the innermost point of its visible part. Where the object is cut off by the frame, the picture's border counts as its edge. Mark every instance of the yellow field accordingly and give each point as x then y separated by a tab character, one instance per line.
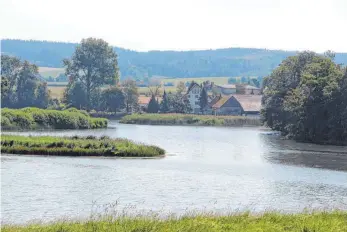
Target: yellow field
53	72
216	80
57	91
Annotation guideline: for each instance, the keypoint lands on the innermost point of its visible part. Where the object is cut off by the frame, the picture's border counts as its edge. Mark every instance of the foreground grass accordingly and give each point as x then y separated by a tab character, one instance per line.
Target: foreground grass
76	146
268	222
189	119
35	118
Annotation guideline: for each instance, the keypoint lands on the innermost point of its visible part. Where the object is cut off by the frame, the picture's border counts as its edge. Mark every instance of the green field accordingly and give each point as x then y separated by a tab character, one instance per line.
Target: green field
48	71
246	222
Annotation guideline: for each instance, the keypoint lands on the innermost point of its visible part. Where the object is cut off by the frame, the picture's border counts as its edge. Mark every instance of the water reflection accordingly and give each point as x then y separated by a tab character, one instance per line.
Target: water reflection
303	154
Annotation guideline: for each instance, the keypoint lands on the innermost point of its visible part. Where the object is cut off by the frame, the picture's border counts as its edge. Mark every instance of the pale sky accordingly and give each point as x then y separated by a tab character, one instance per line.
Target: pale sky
142	25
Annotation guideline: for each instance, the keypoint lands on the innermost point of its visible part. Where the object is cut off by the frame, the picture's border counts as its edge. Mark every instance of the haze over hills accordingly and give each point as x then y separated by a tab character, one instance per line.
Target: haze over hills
206	63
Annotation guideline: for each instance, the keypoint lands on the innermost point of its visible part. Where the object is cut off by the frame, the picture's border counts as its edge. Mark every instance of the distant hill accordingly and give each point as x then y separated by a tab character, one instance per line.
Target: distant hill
207	63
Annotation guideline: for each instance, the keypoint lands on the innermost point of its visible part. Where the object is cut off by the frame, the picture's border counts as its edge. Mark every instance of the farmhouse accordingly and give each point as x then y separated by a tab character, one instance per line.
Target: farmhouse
237	104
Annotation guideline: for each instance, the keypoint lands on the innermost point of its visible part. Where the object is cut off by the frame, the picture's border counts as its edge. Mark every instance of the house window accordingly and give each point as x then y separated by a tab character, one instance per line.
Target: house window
197	96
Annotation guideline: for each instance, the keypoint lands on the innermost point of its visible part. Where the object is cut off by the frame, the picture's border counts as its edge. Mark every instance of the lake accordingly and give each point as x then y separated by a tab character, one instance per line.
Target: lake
206	168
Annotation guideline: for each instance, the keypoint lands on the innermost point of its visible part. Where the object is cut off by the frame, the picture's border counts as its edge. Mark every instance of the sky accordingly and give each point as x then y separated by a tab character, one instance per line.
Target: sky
143	25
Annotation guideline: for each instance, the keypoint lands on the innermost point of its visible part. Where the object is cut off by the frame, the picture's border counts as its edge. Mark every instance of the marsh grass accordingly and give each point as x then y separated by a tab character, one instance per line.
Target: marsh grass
35	118
76	146
242	222
189	119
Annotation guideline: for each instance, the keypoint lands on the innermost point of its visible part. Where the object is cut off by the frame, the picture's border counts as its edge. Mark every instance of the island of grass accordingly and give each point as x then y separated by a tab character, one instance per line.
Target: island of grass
189	119
268	222
35	118
76	146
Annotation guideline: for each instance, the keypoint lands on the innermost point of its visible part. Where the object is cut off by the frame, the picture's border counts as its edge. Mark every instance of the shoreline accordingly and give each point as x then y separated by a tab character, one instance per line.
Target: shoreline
245	221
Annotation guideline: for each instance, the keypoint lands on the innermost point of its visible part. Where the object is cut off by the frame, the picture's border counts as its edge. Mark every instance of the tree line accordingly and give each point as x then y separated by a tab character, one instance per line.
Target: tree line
139	65
306	99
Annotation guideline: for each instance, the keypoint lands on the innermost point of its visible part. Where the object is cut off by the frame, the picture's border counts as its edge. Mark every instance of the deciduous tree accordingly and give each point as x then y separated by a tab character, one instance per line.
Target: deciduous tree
93	64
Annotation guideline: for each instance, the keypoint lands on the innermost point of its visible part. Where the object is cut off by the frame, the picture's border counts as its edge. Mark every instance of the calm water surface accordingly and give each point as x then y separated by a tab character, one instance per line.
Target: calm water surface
206	168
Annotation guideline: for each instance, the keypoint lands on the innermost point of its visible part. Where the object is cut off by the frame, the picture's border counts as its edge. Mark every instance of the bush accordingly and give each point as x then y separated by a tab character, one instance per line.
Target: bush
29	118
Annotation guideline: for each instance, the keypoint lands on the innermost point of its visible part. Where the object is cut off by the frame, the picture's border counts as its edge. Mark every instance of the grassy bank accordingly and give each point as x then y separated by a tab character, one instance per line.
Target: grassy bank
76	146
269	222
34	118
189	119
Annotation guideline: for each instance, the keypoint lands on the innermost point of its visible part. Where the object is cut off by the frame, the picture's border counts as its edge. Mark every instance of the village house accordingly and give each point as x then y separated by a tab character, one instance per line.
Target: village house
193	96
225	99
237	104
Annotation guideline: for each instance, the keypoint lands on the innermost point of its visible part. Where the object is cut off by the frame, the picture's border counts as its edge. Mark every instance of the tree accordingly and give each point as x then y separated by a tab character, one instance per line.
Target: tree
113	99
93	64
153	105
20	84
75	95
164	105
131	94
26	85
10	68
42	96
305	98
181	88
203	100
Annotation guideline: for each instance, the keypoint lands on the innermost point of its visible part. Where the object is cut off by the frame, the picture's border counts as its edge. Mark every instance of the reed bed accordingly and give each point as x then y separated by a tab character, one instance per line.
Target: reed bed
76	146
35	118
189	119
244	222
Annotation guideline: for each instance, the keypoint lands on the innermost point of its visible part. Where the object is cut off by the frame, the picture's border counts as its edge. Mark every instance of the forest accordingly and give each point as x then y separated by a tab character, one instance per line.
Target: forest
139	65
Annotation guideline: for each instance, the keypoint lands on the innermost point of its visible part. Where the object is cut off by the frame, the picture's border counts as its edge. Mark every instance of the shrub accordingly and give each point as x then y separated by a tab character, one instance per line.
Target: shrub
28	118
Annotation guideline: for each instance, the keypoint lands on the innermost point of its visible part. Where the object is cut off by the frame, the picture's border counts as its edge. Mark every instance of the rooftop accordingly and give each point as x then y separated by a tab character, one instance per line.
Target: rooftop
249	102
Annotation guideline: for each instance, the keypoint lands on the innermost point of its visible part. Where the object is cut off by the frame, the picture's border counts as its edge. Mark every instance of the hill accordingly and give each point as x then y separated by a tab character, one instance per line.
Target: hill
206	63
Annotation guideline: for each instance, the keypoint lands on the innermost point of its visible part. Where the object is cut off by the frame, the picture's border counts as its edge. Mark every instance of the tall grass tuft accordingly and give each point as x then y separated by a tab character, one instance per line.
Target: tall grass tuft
34	118
189	119
76	146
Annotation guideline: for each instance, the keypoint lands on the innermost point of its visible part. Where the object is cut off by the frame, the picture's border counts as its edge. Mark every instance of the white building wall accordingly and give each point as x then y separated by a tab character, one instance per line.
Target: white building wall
193	97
